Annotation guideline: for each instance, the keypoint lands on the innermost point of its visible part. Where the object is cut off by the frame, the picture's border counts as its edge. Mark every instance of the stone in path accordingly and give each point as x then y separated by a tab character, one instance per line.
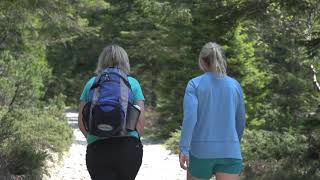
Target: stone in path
158	163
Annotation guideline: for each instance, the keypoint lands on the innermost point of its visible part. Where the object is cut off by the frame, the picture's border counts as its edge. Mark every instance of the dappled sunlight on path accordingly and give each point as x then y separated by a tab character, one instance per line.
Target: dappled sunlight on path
158	163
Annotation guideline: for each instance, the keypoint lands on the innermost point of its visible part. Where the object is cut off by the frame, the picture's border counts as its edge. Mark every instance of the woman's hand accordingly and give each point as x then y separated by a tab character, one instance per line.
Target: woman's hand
184	161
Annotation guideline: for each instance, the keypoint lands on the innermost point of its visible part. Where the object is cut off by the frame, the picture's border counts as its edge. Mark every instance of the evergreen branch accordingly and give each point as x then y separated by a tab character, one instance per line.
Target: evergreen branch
3	39
14	96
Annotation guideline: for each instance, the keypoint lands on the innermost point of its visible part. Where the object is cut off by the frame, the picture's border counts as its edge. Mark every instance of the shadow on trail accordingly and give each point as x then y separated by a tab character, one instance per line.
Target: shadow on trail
72	115
71	110
80	142
148	142
73	120
74	125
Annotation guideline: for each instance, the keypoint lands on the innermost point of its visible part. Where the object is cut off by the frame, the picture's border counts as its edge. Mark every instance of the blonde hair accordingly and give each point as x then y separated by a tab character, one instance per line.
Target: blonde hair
113	56
212	59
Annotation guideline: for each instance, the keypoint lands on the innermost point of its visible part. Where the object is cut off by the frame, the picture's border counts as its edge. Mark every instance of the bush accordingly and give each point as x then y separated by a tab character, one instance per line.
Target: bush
270	155
173	142
157	128
6	129
25	159
43	129
162	131
266	145
34	133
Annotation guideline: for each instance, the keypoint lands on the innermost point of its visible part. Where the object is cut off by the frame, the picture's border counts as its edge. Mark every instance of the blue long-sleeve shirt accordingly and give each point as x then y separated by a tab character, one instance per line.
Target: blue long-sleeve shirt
214	117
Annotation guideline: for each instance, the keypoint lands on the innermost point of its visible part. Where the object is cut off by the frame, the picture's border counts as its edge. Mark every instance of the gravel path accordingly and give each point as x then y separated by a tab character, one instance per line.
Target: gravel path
158	163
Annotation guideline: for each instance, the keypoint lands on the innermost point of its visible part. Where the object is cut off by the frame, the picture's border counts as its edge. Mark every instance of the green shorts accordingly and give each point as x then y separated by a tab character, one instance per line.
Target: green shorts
205	168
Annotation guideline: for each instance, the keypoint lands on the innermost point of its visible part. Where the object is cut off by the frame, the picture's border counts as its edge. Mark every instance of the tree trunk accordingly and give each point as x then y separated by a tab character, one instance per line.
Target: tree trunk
315	81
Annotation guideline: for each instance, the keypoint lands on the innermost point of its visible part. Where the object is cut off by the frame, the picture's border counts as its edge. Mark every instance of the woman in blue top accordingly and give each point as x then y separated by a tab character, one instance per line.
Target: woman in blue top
214	120
114	158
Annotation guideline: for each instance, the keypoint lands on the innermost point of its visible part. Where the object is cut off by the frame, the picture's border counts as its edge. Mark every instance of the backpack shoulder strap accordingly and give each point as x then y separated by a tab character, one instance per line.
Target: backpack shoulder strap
96	81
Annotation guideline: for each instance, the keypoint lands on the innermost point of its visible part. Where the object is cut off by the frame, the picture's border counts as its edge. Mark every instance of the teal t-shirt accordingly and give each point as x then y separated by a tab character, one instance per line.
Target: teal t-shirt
137	96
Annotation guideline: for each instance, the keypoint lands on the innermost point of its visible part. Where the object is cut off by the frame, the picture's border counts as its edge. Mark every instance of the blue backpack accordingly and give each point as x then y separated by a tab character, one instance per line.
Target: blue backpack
110	98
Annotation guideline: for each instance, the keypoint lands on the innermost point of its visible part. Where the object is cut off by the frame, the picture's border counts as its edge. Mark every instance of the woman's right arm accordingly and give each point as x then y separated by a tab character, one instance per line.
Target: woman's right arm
190	108
80	120
83	100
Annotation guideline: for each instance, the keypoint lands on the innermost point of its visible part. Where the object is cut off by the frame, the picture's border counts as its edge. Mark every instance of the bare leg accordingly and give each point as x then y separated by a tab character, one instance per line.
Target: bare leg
189	177
225	176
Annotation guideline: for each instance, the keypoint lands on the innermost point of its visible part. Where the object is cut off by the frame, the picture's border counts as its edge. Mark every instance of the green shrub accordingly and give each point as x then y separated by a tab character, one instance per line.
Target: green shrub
173	142
6	129
25	159
161	131
314	148
265	145
157	128
34	133
43	129
270	155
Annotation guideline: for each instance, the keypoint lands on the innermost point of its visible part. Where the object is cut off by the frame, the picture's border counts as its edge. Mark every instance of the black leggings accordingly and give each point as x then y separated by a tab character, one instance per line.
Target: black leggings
114	158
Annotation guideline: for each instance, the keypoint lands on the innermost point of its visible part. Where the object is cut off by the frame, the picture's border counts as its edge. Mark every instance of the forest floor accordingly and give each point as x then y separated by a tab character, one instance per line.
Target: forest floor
158	163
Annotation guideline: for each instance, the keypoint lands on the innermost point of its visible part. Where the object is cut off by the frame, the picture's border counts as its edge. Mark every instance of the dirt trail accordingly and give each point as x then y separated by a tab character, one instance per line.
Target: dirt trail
158	163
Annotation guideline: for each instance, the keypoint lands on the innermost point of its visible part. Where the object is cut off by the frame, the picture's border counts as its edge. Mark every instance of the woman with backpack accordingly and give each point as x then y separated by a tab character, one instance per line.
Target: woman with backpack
114	150
213	122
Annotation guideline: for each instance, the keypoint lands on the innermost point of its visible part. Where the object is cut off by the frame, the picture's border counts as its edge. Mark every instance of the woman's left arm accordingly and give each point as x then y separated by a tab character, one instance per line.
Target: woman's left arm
240	115
140	124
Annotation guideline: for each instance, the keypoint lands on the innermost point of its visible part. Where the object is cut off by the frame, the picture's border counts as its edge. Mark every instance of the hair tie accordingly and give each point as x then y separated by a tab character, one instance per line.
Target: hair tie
214	45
